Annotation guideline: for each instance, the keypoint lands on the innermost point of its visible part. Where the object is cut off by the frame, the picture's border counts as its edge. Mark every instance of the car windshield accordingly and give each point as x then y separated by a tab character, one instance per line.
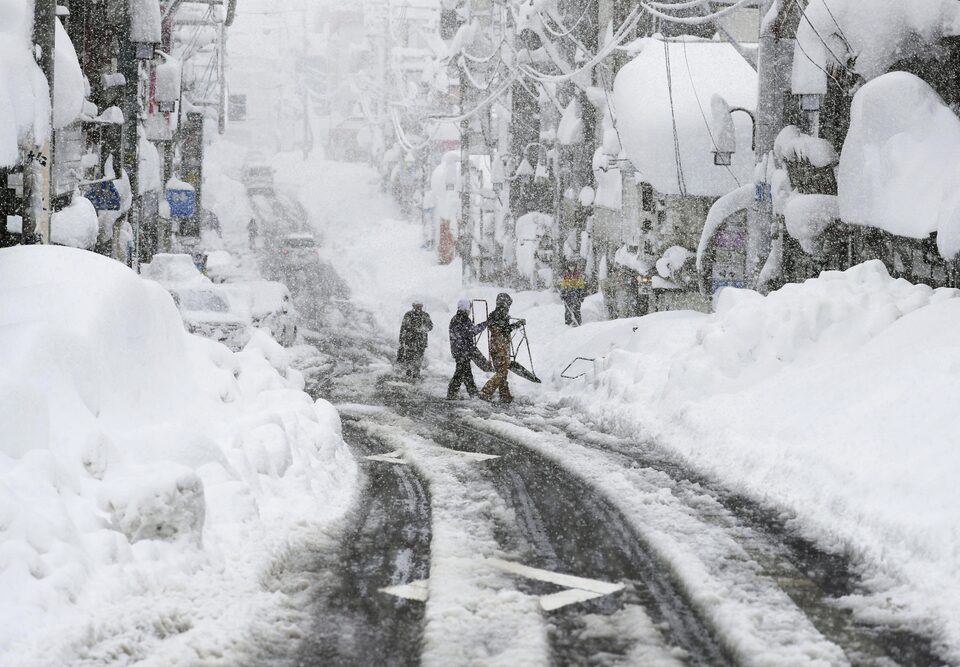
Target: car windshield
198	300
299	242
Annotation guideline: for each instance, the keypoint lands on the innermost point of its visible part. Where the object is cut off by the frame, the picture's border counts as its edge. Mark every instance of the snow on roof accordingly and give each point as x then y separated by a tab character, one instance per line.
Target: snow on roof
697	70
898	169
875	32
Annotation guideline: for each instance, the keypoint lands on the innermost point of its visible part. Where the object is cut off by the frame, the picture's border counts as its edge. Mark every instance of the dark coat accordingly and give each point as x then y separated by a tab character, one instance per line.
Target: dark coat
463	334
413	335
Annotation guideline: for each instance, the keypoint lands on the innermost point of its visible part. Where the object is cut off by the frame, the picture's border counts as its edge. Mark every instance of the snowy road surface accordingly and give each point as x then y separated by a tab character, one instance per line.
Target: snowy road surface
523	535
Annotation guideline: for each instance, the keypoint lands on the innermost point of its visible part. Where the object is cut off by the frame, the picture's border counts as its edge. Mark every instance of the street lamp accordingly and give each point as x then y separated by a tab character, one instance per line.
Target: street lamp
724	133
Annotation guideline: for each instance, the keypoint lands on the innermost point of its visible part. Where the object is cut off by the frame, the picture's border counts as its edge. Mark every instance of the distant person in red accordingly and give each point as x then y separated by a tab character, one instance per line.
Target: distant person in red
501	329
413	340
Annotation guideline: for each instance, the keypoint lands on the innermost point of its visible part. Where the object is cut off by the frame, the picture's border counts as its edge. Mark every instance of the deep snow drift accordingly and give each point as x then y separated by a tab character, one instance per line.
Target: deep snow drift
148	478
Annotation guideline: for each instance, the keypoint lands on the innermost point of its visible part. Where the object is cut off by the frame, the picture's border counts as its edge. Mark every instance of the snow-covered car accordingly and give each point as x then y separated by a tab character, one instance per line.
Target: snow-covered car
207	312
173	268
270	307
299	251
257	178
222	267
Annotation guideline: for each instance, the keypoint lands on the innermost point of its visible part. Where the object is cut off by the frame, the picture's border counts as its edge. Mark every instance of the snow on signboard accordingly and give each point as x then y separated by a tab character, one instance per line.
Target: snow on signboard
145	21
691	72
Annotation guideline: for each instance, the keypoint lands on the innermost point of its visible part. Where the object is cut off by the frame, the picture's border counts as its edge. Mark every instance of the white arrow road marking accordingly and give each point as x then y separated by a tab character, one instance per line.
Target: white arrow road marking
415	590
578	589
392	457
473	456
563	598
396	456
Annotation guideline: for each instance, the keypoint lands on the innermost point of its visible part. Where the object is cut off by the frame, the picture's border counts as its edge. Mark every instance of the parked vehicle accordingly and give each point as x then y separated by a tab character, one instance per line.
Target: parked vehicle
207	312
257	178
299	251
270	307
173	268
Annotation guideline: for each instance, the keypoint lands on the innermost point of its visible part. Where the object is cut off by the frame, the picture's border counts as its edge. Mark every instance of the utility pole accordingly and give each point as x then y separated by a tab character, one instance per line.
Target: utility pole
774	68
129	66
39	161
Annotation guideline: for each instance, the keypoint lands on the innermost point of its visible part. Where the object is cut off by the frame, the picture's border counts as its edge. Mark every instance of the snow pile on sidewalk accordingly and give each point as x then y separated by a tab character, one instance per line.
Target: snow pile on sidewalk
143	471
834	400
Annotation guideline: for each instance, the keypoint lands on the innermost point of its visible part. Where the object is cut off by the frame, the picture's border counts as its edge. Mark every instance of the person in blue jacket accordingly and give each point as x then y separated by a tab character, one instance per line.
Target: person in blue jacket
463	336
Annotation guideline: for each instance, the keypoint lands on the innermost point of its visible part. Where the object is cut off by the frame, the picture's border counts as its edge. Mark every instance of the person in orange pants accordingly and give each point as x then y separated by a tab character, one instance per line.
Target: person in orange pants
500	328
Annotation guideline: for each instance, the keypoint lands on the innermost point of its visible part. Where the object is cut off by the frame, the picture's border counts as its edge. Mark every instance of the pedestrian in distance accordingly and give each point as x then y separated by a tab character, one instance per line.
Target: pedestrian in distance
501	328
573	288
252	232
463	336
413	340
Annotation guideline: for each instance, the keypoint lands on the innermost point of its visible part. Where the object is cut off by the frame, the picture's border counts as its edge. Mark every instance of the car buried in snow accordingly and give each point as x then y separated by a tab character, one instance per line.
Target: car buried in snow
270	306
207	312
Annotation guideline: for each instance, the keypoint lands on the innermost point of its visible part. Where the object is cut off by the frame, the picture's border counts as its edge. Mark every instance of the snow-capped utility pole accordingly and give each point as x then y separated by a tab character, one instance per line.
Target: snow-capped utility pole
465	233
774	67
39	161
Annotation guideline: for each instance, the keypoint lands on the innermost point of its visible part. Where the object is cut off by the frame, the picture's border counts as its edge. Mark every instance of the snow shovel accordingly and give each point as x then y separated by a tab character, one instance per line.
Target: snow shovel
516	367
480	359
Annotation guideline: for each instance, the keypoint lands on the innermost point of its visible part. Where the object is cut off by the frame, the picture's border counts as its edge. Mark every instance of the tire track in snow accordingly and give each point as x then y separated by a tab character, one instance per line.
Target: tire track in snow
754	619
474	614
566	526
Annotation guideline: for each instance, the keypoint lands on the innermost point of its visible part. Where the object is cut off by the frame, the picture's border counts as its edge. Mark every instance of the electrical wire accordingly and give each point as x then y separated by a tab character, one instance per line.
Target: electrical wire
681	183
803	13
480	107
694	20
564	33
615	41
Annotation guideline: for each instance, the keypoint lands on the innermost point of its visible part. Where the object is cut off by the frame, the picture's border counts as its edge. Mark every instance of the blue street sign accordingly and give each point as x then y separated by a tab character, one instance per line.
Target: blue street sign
182	202
102	194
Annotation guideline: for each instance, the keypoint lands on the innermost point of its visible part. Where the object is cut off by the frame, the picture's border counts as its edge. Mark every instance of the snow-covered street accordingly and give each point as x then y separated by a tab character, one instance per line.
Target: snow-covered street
479	333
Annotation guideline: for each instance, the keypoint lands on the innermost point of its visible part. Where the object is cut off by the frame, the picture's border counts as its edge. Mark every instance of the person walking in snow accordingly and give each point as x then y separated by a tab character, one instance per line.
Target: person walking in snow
413	340
463	336
501	330
573	288
252	231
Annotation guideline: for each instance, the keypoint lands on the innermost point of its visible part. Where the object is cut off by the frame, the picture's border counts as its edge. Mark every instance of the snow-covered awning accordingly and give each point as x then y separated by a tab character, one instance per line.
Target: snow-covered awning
691	73
898	169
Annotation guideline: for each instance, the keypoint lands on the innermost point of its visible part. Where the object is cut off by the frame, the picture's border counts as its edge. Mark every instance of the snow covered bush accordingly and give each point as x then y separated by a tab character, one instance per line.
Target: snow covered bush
129	446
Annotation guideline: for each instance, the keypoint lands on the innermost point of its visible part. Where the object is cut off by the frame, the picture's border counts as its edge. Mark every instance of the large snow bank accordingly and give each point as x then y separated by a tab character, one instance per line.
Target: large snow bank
694	71
833	400
76	225
138	462
898	169
24	95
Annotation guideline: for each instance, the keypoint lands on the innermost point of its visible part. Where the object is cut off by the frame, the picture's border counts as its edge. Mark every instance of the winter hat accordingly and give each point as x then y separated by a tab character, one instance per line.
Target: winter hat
463	304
